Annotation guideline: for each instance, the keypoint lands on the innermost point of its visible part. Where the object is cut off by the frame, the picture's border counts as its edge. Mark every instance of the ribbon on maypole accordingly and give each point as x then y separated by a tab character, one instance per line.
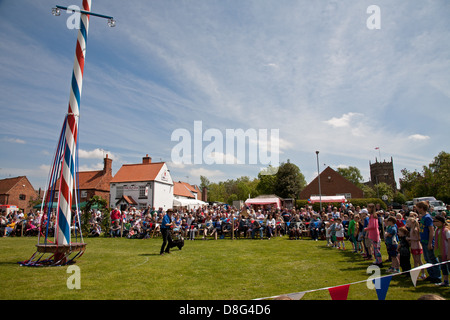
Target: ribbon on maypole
67	176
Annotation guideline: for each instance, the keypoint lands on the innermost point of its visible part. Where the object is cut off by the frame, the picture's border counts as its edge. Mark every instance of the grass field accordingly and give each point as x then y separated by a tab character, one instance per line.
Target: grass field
114	268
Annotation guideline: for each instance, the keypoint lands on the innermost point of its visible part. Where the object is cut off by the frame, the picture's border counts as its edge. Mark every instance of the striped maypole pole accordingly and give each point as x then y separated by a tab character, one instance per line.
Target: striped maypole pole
67	175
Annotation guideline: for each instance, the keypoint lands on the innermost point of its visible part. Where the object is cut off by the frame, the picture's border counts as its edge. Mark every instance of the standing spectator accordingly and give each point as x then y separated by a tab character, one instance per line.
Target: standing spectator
328	233
414	238
403	249
373	233
353	231
314	226
115	215
339	228
391	241
165	231
427	240
442	247
367	243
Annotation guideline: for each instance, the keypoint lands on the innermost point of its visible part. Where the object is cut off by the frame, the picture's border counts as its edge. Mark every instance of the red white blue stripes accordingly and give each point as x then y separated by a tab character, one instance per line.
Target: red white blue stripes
67	176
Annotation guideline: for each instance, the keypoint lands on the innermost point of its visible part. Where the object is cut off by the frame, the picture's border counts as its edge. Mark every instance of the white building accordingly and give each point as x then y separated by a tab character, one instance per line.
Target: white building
142	185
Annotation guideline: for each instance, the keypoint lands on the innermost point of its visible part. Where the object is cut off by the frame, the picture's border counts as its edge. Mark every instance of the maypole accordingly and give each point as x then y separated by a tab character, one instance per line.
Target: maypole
63	172
64	210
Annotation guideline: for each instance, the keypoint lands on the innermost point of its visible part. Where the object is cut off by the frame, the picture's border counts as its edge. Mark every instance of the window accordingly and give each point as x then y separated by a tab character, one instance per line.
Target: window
119	192
142	192
22	197
83	194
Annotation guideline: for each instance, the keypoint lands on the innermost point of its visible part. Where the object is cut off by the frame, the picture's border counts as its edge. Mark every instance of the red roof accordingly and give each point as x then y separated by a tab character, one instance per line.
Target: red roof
8	183
97	180
138	172
182	189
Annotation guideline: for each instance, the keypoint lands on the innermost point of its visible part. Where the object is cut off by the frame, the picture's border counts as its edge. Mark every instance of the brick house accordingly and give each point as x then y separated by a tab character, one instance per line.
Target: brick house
331	184
17	191
94	183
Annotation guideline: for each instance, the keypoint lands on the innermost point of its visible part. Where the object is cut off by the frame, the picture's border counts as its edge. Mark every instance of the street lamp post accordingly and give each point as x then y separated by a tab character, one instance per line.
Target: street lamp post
318	177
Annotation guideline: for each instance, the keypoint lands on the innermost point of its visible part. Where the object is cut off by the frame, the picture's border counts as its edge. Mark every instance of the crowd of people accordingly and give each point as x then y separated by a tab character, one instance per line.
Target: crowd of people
420	233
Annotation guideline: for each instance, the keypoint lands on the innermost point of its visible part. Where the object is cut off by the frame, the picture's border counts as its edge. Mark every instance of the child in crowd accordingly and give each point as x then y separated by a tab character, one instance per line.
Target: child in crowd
333	232
373	233
390	238
339	228
403	249
328	233
353	231
414	238
442	247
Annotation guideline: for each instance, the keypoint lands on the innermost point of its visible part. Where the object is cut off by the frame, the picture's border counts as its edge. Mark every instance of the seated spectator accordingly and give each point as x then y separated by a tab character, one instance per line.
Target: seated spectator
30	228
257	227
115	229
270	225
209	228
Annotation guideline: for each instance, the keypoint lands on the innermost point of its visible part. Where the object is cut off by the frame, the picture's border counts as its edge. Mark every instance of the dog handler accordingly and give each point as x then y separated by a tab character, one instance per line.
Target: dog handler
165	231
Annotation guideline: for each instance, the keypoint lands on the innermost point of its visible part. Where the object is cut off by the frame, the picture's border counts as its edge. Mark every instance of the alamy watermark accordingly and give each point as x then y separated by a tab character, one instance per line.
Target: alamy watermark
374	20
74	281
236	146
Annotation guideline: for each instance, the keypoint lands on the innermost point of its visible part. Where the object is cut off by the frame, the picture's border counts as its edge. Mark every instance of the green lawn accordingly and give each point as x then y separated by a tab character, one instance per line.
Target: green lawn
214	270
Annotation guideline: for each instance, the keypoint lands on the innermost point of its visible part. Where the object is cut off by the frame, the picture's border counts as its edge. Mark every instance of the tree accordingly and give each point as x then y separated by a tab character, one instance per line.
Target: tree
432	181
384	189
368	191
289	181
204	183
267	181
352	174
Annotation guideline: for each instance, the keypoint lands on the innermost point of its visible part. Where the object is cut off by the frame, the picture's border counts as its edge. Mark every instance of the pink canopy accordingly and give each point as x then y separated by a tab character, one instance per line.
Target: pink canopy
264	201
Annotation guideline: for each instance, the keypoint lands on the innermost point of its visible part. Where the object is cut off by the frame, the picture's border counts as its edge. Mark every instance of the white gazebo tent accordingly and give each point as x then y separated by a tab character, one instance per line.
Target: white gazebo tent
189	203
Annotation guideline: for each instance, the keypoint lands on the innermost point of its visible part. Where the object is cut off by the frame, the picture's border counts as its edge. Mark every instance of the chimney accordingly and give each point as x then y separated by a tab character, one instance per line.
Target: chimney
205	194
107	165
146	159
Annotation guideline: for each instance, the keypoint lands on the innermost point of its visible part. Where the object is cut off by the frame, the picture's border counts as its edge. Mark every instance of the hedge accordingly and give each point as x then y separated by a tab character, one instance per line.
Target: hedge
362	202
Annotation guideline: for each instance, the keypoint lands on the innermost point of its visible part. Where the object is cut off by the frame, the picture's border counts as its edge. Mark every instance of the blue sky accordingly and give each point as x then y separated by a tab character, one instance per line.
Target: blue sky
311	69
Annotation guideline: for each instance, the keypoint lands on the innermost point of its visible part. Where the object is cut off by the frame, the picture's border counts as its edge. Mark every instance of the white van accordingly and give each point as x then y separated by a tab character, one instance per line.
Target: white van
416	200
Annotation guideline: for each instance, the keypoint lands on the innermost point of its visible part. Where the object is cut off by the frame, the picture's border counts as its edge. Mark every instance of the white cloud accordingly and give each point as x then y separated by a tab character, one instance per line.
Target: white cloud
221	158
14	140
344	121
94	154
418	137
211	174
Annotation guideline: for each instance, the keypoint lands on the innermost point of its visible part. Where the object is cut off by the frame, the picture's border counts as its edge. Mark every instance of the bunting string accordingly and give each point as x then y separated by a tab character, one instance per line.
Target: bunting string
382	283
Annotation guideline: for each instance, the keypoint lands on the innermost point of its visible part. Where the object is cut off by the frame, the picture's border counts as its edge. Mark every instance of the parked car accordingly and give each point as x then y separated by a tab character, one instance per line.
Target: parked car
416	200
410	205
438	205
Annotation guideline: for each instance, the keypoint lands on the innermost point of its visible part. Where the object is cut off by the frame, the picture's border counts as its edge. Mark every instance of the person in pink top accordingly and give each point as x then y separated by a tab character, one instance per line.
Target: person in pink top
373	233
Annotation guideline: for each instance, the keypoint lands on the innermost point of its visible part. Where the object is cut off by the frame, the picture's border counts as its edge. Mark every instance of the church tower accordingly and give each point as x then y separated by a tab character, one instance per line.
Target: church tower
382	172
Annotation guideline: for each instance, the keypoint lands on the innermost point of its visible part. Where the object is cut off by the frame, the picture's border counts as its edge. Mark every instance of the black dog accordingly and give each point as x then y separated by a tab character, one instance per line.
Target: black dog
178	241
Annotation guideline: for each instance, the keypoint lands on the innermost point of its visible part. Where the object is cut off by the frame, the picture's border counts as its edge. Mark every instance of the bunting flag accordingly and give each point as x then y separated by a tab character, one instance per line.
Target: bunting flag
416	271
340	292
382	286
296	296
